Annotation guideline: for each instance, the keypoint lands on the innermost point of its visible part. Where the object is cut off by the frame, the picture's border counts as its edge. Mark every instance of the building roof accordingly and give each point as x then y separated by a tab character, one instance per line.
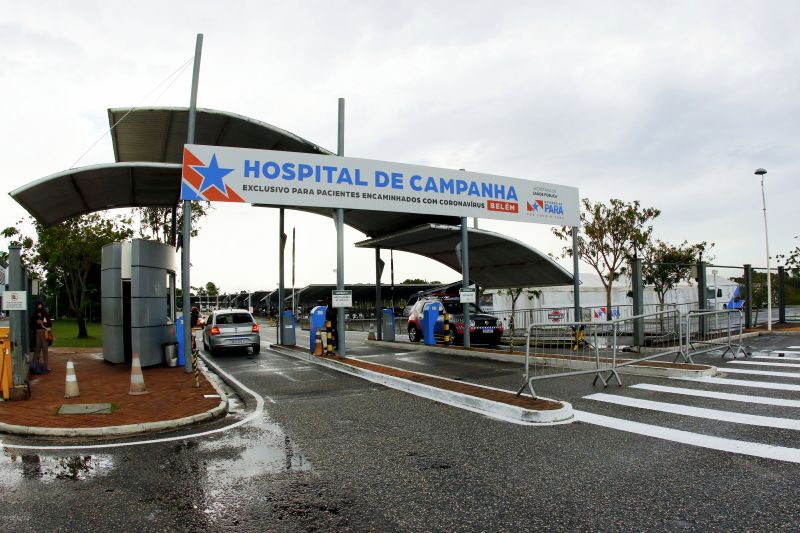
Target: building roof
495	261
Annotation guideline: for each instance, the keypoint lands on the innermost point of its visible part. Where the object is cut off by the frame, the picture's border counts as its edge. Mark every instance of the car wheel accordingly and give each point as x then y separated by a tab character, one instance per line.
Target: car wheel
414	334
214	352
205	344
256	349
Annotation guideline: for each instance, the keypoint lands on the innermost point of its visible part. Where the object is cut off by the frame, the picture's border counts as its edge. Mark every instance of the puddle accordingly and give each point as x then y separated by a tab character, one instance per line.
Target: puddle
261	449
18	467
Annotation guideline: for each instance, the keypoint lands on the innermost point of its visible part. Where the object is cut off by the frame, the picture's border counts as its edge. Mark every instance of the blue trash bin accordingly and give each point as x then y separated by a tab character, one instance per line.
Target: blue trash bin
317	323
179	333
430	314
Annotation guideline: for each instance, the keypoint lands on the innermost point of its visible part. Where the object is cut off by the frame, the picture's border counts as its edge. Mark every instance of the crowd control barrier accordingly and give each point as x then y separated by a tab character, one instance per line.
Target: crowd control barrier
707	331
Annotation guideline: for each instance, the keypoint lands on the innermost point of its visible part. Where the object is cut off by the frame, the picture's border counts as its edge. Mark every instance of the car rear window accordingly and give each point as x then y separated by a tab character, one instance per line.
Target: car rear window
234	318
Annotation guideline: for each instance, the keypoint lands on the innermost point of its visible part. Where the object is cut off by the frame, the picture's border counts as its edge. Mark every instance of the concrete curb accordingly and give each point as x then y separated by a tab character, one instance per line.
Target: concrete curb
127	430
498	410
633	370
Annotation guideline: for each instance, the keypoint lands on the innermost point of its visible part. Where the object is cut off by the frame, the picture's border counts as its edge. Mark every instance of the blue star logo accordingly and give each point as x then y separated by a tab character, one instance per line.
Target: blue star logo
212	175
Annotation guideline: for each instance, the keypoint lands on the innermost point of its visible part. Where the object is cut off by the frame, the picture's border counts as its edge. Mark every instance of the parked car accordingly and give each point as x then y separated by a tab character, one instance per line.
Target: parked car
231	328
483	328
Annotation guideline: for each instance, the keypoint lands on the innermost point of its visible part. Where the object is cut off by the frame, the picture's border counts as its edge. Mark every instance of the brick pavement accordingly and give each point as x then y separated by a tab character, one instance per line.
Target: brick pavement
172	394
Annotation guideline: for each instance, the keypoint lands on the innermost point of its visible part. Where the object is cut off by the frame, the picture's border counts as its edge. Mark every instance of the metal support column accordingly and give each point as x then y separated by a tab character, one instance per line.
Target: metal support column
281	272
465	275
781	295
576	277
187	218
340	237
701	296
17	319
748	290
638	301
378	298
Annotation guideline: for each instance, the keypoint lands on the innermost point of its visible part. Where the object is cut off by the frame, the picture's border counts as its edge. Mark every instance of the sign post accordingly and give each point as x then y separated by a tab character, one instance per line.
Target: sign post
15	300
467	296
341	299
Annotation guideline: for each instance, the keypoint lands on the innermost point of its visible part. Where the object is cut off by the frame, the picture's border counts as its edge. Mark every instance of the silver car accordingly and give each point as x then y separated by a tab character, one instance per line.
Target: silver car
231	328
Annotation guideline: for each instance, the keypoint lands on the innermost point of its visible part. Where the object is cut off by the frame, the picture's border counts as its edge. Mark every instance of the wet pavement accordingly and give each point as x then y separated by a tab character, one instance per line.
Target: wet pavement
331	452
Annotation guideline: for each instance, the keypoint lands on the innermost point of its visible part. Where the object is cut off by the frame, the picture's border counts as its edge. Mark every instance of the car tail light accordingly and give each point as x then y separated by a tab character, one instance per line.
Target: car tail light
255	328
214	330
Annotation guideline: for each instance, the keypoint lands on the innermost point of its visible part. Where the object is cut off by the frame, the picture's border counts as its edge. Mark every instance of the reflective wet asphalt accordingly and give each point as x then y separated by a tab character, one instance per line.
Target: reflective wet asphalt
330	452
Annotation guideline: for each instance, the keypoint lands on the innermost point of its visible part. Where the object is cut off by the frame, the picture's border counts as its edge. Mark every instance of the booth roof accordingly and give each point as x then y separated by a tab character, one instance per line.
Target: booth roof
495	261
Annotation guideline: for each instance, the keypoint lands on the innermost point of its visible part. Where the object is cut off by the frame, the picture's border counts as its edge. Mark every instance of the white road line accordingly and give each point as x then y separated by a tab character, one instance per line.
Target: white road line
755	449
756	363
764	400
281	374
252	416
698	412
794	352
415	359
761	372
744	383
794	346
776	356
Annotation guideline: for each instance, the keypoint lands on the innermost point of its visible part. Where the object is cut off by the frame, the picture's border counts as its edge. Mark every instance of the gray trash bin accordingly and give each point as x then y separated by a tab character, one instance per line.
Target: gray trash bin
388	325
289	326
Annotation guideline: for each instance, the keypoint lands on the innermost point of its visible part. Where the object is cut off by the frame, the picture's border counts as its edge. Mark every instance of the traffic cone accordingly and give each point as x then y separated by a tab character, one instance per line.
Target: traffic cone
318	343
137	379
71	390
371	335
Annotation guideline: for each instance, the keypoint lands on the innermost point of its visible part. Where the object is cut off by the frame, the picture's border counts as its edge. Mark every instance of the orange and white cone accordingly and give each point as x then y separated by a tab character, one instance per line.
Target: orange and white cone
318	343
137	378
71	390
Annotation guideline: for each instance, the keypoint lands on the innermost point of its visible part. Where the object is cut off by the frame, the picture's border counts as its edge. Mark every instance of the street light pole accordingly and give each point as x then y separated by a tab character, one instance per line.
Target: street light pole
761	172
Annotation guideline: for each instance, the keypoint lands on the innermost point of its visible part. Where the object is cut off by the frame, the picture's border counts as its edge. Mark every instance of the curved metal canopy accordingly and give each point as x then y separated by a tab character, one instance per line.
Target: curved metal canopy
78	191
495	261
159	133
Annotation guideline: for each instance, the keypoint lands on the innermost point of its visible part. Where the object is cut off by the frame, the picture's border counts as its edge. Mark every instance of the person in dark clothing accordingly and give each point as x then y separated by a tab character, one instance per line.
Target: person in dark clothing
40	324
333	315
194	317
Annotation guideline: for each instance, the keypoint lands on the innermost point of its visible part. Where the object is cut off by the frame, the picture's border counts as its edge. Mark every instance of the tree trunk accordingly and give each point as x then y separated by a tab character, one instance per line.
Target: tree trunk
82	333
608	302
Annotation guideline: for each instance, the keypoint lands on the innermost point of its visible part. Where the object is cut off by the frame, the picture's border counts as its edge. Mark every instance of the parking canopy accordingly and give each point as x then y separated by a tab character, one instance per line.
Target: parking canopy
495	261
77	191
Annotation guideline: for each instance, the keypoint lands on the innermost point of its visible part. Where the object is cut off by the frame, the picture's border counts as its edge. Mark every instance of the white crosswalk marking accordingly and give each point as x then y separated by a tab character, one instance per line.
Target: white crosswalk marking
743	383
761	372
745	398
699	412
776	356
790	365
755	449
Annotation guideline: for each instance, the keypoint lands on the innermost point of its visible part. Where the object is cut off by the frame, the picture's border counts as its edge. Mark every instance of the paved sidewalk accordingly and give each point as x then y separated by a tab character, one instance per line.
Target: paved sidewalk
172	399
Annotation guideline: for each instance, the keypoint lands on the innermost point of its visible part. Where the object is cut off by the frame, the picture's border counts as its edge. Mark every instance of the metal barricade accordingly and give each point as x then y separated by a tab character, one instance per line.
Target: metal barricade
599	348
707	331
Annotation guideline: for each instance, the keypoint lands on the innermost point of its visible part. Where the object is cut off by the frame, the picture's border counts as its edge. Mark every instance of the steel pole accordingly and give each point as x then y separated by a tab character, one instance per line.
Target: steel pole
769	271
187	217
576	278
281	273
17	319
340	236
378	314
465	275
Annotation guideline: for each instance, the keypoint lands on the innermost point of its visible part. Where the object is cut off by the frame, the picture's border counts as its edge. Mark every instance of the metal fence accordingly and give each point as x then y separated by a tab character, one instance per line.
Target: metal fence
599	348
707	331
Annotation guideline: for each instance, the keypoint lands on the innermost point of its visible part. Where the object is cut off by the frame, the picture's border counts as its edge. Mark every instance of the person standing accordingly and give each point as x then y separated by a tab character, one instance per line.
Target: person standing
40	324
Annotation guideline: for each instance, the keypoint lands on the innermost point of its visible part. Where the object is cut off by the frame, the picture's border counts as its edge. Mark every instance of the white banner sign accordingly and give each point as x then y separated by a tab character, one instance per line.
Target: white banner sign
223	174
466	296
15	300
342	299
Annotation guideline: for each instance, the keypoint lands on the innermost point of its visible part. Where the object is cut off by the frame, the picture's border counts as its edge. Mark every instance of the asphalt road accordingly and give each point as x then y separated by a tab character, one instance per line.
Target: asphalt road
331	452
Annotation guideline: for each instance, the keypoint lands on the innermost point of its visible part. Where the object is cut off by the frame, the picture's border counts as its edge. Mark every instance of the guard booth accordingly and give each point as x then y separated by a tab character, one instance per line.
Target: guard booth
138	295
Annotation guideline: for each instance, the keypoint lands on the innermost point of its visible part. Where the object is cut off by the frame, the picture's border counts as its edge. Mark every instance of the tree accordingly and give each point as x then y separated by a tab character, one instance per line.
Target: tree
212	289
515	293
665	265
67	251
792	260
418	281
609	236
156	222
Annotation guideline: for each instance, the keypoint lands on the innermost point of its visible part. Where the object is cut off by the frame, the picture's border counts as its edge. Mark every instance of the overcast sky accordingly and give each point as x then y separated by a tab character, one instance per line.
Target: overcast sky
670	103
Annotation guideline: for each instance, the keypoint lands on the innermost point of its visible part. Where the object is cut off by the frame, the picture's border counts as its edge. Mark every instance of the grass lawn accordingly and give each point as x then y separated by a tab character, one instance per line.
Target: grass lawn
66	333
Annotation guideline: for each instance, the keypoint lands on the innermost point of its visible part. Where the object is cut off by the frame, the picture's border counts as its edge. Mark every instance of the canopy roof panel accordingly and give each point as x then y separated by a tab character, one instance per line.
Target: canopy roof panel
495	261
78	191
159	133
